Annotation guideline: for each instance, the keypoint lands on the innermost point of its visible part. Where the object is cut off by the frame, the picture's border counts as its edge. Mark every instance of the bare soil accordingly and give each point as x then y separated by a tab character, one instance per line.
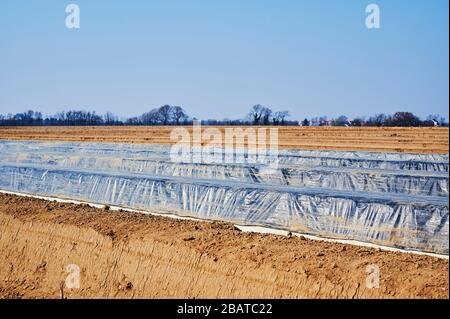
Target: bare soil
130	255
385	139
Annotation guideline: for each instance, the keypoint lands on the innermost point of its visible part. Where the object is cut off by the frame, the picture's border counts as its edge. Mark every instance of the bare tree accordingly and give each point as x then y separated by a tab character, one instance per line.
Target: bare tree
152	117
267	113
405	119
436	119
377	120
260	114
280	117
109	118
179	115
165	112
255	113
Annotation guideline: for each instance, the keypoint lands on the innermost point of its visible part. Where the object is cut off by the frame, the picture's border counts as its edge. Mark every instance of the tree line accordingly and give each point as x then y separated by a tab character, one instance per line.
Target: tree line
176	115
401	119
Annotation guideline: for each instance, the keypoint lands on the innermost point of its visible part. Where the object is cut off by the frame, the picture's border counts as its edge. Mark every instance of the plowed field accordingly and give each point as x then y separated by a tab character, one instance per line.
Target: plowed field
386	139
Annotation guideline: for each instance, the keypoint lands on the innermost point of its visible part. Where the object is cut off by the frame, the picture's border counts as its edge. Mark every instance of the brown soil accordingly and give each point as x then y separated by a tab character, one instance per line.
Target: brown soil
390	139
132	255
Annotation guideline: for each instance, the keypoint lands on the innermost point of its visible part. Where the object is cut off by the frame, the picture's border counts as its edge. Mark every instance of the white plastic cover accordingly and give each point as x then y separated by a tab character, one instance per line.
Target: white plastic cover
393	199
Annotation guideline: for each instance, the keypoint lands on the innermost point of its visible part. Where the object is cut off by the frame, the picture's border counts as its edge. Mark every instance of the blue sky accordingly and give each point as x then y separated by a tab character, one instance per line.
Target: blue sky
218	58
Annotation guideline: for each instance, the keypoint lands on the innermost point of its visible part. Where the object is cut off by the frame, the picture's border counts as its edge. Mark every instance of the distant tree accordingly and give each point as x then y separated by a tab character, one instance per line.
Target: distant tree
405	119
61	118
255	113
168	115
340	121
179	114
260	114
165	112
165	115
152	117
435	120
30	117
357	122
267	113
133	121
323	121
377	120
109	118
305	122
77	117
279	118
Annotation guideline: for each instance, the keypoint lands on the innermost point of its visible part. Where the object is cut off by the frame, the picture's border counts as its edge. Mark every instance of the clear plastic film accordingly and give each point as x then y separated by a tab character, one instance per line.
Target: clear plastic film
392	199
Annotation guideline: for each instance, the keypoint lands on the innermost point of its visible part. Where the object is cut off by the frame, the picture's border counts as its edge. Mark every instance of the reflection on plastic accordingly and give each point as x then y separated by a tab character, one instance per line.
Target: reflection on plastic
392	199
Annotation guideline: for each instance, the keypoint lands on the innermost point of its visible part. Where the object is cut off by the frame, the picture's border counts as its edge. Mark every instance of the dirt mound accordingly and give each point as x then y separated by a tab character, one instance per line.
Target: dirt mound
122	254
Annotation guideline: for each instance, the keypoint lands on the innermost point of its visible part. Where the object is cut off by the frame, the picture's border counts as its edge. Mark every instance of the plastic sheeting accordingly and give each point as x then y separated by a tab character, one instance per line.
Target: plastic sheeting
393	199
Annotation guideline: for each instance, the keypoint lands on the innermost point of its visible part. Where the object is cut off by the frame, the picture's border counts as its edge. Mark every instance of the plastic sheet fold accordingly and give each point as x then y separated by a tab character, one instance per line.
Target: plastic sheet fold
392	199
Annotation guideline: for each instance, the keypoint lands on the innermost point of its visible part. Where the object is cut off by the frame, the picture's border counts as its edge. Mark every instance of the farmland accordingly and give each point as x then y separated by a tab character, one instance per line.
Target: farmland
156	257
123	253
386	139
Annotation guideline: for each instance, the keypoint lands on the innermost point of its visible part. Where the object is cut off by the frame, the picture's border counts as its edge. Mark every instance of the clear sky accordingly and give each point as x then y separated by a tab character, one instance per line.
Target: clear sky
217	58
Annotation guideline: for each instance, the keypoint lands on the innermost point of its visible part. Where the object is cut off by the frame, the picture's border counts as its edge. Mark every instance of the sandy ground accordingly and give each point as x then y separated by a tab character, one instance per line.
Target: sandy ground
130	255
390	139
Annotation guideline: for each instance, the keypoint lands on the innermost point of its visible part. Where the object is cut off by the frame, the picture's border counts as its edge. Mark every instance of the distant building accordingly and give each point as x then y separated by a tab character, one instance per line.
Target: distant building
320	122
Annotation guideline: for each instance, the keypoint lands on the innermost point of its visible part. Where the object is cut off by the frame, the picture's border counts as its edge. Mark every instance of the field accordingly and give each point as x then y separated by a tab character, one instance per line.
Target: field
387	139
133	255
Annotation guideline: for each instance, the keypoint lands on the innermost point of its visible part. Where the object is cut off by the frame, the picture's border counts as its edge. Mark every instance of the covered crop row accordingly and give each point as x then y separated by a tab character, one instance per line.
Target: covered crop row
403	207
